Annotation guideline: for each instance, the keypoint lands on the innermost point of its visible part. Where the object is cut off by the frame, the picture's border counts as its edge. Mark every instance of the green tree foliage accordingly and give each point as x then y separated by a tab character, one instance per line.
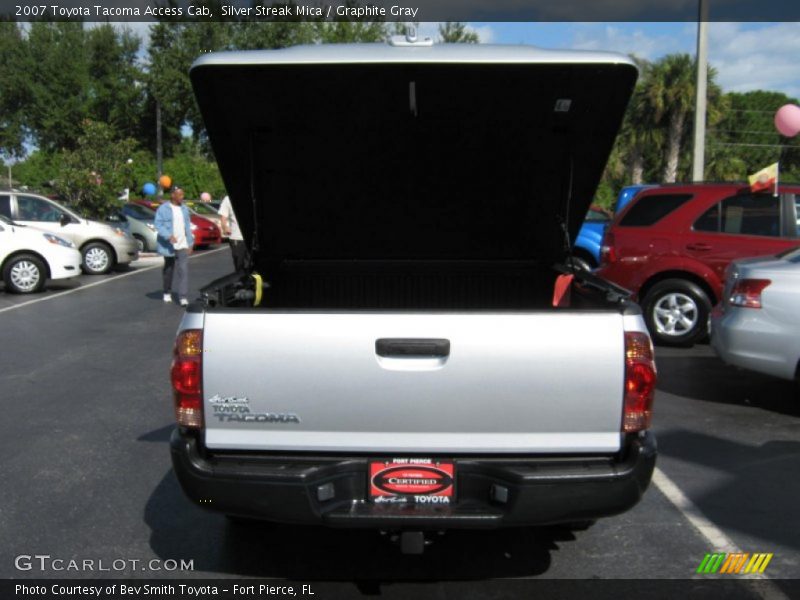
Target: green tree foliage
746	134
670	95
457	33
38	171
116	82
93	174
638	136
173	47
189	167
59	74
194	171
721	164
13	86
655	142
56	67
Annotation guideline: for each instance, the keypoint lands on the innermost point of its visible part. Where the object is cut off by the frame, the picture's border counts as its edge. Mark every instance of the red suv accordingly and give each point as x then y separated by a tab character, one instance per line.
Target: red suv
671	244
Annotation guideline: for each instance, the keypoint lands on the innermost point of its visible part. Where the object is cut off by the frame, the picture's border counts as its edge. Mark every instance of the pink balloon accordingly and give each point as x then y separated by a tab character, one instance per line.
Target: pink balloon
205	197
787	120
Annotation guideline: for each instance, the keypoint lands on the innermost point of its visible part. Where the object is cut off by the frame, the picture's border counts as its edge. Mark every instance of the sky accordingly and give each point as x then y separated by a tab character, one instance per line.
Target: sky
747	56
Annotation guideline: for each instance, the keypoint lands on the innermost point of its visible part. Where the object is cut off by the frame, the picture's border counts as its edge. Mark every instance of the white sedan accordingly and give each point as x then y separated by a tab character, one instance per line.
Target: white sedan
30	256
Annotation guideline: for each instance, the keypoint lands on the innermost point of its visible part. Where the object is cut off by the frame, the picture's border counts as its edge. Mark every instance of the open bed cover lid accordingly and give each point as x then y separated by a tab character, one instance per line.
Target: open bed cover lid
377	152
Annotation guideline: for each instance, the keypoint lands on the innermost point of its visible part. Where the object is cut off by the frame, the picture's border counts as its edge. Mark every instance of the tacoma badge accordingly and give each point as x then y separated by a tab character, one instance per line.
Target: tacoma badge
230	408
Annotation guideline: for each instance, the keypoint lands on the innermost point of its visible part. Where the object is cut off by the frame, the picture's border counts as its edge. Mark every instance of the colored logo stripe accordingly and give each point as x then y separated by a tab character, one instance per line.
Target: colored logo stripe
733	563
711	563
758	564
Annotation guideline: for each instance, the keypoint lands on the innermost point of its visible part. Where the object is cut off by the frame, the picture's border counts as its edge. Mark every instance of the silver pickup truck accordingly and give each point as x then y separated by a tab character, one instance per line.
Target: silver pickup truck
407	351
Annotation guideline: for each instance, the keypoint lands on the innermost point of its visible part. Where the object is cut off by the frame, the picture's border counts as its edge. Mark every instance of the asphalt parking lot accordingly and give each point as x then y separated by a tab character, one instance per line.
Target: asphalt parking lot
86	468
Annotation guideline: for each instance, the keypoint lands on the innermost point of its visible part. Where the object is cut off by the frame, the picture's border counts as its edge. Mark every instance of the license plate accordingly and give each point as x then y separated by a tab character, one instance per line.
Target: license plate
412	481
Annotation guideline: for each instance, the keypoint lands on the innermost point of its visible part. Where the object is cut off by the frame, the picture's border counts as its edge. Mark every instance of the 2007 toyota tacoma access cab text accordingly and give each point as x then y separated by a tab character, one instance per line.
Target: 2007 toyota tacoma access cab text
406	351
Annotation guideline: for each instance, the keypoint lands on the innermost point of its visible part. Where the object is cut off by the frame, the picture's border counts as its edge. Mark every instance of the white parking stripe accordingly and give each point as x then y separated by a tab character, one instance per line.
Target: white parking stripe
96	283
716	537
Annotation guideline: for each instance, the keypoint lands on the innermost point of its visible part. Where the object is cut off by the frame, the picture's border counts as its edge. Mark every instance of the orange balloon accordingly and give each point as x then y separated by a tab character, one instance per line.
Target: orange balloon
165	181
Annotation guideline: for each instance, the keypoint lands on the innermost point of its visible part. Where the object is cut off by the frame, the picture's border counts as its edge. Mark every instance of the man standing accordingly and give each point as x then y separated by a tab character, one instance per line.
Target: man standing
175	242
230	228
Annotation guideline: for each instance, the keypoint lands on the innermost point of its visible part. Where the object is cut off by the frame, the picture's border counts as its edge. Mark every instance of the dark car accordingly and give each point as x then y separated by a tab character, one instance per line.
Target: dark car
672	244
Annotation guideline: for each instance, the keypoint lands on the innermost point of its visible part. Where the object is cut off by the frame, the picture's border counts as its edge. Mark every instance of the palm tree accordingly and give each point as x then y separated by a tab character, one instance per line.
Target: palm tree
637	136
670	96
722	164
638	130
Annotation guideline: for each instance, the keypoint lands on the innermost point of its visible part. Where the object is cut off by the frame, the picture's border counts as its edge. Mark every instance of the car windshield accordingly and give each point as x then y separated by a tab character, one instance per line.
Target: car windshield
138	211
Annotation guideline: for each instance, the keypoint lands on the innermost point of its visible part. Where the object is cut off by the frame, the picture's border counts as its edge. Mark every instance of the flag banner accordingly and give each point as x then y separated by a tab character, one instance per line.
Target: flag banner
764	179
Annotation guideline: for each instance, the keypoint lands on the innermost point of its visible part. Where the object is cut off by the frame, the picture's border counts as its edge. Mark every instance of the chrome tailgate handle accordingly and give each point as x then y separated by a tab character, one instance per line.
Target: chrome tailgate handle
412	347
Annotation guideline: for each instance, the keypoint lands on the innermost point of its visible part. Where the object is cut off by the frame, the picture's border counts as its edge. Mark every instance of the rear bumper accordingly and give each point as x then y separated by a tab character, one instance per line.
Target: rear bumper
492	492
751	340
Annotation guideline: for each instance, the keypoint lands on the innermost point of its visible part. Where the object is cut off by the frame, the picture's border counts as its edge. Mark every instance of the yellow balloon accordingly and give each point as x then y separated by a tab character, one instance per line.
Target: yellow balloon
165	181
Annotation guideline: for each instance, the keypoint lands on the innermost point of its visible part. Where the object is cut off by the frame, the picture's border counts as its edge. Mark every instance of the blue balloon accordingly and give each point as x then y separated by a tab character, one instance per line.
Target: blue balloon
148	189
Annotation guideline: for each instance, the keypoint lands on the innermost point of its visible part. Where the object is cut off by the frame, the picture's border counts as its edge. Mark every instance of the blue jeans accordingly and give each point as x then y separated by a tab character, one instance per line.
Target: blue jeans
176	271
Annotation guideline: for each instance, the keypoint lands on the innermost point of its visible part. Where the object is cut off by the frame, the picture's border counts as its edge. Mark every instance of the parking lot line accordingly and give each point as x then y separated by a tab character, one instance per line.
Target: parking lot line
719	541
96	283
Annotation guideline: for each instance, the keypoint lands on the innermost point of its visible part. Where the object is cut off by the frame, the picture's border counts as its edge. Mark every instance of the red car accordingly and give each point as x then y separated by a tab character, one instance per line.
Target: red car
670	246
205	232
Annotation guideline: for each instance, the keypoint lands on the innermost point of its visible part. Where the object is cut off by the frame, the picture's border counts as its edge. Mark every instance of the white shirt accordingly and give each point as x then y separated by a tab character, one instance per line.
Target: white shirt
226	210
178	228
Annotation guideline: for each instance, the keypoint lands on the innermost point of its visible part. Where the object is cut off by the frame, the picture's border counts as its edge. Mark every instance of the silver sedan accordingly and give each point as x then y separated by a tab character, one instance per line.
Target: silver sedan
757	324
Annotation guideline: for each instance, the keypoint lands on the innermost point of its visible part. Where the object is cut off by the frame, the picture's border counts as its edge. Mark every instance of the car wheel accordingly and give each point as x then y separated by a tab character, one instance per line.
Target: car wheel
140	242
676	312
98	258
24	274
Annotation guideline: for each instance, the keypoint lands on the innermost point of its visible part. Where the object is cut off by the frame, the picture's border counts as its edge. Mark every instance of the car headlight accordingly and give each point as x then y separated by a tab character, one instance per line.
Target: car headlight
54	239
121	232
150	226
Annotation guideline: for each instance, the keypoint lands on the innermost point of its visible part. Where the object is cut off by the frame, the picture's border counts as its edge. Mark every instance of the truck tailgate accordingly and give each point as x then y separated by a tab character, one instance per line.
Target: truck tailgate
506	382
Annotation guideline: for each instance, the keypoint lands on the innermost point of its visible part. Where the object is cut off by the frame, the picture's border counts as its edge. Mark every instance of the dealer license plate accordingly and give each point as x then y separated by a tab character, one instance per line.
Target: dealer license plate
412	481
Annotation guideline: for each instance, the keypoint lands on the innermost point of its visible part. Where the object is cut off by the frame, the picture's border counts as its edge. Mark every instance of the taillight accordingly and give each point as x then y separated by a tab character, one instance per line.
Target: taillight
187	378
747	292
607	252
640	382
